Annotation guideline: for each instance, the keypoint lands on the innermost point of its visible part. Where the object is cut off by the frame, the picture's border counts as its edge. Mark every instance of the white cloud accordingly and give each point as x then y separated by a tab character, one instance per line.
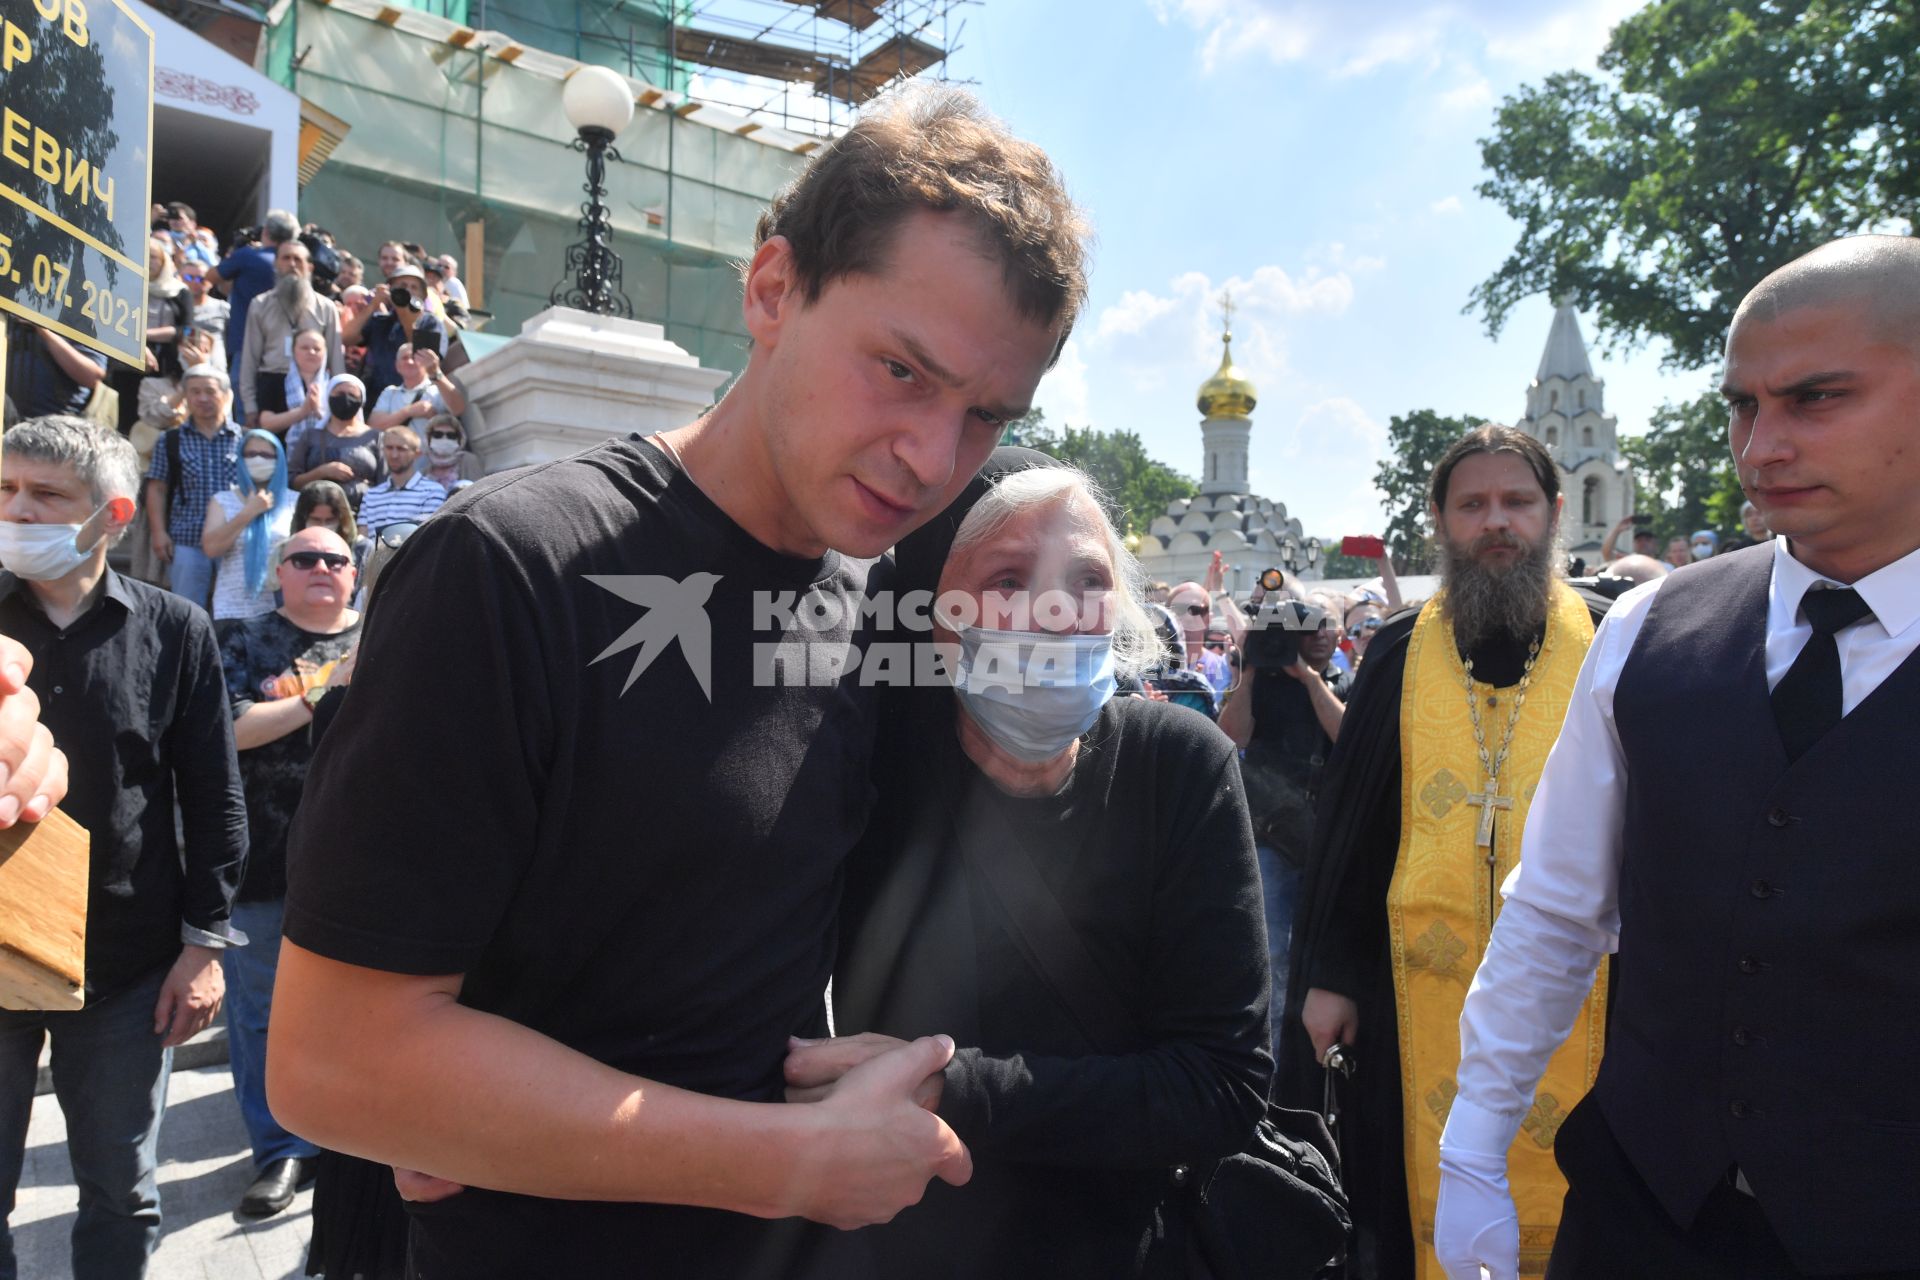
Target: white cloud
1153	338
1474	95
1322	463
1063	392
1449	206
1363	36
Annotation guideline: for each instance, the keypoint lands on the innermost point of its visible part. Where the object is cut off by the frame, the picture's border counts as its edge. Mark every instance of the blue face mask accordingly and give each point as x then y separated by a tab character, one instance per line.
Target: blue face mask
1033	692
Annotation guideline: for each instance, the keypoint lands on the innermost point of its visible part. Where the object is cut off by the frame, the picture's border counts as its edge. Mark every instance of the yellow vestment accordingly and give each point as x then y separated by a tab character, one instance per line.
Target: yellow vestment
1445	896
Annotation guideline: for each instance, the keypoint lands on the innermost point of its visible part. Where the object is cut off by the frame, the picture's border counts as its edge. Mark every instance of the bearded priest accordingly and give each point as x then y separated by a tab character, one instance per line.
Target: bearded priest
1419	822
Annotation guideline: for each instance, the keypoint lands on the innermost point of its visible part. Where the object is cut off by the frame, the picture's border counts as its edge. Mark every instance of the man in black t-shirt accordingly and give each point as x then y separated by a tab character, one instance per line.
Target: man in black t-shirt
561	965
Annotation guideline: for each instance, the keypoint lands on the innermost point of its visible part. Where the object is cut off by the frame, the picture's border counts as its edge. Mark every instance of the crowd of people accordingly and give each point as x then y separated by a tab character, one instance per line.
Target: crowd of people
1056	956
289	421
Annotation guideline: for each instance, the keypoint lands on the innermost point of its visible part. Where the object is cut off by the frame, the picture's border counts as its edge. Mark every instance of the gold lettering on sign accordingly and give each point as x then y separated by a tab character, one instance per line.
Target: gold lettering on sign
57	166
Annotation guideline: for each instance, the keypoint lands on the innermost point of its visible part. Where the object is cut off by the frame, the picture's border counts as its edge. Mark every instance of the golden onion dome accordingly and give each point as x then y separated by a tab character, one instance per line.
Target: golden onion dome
1228	393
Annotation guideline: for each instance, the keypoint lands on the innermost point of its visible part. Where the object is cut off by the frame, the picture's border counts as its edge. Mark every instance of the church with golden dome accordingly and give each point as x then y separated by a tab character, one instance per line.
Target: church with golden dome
1250	532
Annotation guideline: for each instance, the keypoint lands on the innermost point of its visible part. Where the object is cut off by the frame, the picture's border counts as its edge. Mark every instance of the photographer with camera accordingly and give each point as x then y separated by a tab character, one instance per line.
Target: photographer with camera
403	317
1285	714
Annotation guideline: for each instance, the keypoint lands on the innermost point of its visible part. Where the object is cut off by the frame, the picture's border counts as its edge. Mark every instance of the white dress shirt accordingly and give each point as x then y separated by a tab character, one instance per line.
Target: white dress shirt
1562	912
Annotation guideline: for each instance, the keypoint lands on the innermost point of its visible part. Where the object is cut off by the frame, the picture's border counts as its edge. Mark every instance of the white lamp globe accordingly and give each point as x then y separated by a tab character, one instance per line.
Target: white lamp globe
596	98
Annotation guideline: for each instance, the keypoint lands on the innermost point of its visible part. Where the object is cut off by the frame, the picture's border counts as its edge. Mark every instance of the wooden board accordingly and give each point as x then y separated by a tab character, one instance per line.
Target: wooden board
43	914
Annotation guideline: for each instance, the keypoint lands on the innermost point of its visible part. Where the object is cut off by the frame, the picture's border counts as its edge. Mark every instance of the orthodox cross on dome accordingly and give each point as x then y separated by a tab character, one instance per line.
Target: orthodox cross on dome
1226	314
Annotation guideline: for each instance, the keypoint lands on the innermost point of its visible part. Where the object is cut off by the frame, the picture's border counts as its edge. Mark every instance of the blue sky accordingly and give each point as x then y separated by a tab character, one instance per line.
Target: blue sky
1320	158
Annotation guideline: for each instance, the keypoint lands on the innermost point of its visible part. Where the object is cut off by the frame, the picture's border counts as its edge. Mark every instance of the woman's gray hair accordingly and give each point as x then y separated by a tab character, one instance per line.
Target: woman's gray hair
1135	647
100	457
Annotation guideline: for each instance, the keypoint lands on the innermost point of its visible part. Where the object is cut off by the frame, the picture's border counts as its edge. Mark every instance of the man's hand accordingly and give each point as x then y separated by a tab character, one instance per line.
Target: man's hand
1299	670
429	361
190	997
1216	574
1475	1224
339	472
1330	1018
162	544
877	1147
814	1067
33	772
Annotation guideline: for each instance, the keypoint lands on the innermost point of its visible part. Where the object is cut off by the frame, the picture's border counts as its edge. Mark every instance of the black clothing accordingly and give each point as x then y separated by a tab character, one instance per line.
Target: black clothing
1285	758
266	659
635	853
35	383
1766	912
1612	1228
383	336
270	391
1149	852
132	692
1340	939
1808	700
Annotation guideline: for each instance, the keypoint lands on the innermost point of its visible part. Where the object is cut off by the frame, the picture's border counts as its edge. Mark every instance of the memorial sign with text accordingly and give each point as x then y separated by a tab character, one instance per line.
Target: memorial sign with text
76	154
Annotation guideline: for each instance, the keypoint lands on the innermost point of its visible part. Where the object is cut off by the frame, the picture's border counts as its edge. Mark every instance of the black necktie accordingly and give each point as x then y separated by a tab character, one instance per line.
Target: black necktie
1807	701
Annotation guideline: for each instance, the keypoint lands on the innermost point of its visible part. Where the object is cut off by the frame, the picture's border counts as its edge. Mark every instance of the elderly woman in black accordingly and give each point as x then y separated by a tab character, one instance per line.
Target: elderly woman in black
1024	812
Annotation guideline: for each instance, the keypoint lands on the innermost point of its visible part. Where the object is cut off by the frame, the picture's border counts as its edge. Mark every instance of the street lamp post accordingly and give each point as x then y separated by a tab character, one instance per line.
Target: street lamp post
1293	553
599	105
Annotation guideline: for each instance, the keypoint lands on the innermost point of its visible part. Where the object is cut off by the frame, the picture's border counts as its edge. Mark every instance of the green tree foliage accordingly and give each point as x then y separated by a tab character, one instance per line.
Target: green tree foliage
1415	442
1720	142
1684	470
1138	488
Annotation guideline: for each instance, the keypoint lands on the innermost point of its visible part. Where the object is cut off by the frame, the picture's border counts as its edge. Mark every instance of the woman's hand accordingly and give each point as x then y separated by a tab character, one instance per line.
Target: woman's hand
814	1067
315	399
259	502
336	471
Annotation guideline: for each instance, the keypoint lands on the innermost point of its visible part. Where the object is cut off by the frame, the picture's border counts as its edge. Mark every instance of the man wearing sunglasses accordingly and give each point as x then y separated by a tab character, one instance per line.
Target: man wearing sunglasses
277	665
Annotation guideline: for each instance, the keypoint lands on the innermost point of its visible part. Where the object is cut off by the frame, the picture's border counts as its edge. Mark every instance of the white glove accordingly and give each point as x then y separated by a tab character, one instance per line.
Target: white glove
1475	1224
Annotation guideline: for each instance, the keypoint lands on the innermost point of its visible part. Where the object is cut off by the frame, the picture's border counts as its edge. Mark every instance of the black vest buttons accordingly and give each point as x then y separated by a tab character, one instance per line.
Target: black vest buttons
1778	817
1749	965
1180	1175
1739	1109
1742	1037
1761	889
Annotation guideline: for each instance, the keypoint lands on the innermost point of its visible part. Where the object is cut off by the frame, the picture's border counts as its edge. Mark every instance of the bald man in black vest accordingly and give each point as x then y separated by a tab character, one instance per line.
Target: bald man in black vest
1757	1114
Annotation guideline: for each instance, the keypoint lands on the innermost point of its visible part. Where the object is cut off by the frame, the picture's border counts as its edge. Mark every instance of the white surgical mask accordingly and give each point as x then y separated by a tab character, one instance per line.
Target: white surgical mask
40	552
261	469
1033	692
1701	550
443	448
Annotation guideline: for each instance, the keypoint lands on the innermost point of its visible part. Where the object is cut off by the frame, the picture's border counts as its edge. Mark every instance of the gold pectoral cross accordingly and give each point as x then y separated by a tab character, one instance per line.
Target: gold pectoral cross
1487	801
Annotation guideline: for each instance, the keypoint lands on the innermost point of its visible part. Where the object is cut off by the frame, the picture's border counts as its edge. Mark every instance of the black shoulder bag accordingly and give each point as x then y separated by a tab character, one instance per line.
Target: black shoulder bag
1273	1210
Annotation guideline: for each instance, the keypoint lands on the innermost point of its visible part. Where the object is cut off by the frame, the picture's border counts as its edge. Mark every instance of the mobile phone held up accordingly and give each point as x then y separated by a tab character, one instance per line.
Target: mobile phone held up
1364	547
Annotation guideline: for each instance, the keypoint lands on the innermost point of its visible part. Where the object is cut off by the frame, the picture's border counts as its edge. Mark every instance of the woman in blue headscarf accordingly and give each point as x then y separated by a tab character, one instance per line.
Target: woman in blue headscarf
244	526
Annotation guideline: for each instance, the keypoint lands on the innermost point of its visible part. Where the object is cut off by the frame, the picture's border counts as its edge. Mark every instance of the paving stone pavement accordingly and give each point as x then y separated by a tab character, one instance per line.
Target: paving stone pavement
204	1167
